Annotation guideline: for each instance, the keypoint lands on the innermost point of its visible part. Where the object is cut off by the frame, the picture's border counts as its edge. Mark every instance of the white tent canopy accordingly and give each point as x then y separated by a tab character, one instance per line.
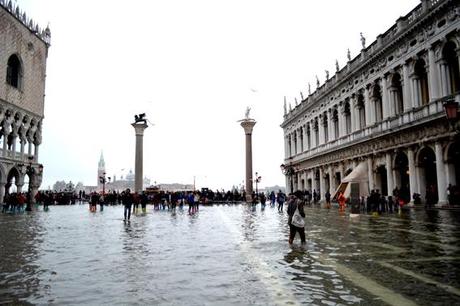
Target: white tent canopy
359	175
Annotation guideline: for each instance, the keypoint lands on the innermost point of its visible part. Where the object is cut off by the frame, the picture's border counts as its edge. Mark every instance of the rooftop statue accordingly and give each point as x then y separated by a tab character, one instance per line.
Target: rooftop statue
363	40
248	110
140	118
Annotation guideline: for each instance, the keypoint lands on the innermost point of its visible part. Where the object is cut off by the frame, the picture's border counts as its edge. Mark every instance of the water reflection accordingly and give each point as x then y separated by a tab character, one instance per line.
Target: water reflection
233	255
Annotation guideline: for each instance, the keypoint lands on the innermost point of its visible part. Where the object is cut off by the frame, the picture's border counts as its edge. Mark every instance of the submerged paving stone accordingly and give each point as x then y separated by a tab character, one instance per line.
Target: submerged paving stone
232	255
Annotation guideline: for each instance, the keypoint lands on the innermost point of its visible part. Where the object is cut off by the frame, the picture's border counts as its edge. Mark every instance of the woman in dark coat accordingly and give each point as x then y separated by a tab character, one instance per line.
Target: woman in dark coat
293	204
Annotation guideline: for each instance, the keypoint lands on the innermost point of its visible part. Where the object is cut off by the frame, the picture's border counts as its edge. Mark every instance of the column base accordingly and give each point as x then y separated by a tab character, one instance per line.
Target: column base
442	203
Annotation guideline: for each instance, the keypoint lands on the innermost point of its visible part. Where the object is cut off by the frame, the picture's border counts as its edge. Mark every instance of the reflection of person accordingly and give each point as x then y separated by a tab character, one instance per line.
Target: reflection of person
293	205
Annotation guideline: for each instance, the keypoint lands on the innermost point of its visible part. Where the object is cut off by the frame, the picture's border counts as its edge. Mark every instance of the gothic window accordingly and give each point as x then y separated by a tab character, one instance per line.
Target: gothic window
13	71
422	81
451	58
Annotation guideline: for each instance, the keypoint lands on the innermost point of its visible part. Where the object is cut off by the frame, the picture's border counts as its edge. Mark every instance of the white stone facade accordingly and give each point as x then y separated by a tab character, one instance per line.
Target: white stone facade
23	54
385	108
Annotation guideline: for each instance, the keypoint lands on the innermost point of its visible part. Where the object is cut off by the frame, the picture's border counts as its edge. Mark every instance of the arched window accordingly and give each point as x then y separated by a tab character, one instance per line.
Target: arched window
13	71
362	111
377	100
396	94
421	81
347	114
451	58
335	119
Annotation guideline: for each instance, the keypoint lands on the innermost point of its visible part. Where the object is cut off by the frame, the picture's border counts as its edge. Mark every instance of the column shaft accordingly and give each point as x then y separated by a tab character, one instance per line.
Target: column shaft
389	173
441	175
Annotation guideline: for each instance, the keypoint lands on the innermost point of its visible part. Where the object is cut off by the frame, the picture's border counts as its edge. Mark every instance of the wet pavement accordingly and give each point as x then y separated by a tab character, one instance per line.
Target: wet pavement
228	255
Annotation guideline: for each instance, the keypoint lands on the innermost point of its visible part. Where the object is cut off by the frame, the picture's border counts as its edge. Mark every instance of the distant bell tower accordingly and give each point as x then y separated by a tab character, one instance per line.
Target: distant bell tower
100	171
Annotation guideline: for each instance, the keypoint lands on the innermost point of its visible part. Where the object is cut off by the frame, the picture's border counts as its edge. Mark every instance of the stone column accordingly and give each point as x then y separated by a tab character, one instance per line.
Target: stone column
407	100
321	184
305	139
370	173
441	175
433	73
389	167
286	145
412	174
321	129
2	191
342	121
139	128
313	135
292	144
445	78
332	186
367	105
330	125
385	103
354	117
299	141
248	125
5	144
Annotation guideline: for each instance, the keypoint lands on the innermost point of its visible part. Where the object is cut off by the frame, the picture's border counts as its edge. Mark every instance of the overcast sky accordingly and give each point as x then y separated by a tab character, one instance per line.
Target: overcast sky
193	67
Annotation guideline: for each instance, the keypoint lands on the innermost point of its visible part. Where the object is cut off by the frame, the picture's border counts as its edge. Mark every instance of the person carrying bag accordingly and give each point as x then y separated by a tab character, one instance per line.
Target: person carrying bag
296	219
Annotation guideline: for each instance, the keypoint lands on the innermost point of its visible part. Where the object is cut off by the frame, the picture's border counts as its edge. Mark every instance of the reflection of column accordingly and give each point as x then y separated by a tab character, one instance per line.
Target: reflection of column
412	173
434	94
248	125
139	158
441	175
389	173
370	173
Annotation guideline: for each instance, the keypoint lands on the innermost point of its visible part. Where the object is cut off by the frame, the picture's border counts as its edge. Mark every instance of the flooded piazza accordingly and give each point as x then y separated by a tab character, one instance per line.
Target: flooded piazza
228	255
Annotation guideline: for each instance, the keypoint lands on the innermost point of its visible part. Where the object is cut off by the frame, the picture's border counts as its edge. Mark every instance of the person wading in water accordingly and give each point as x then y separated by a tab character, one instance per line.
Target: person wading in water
296	219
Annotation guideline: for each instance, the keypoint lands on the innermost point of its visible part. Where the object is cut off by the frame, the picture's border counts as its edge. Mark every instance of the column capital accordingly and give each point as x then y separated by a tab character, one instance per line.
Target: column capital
139	128
248	125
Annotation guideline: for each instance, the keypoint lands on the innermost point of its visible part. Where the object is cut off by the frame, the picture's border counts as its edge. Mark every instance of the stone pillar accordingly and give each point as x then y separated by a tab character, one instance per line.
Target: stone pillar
305	139
313	136
412	174
139	128
5	144
372	114
370	173
441	175
2	191
385	103
321	184
37	146
248	125
292	144
389	167
367	105
407	100
299	141
321	130
330	125
354	117
342	121
433	73
332	186
286	145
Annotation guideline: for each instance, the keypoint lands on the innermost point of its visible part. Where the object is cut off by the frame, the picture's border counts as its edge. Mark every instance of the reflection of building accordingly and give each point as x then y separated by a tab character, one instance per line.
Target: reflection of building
384	110
23	54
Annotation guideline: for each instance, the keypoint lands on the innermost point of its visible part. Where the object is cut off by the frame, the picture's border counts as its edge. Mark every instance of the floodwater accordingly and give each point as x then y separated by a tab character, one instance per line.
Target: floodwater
228	255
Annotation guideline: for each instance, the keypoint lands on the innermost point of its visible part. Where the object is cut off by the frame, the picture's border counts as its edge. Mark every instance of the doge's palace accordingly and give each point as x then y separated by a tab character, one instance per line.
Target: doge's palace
23	54
383	113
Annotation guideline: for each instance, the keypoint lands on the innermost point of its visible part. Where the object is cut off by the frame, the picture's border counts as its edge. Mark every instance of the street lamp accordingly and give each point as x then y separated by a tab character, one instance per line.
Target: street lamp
257	180
451	109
